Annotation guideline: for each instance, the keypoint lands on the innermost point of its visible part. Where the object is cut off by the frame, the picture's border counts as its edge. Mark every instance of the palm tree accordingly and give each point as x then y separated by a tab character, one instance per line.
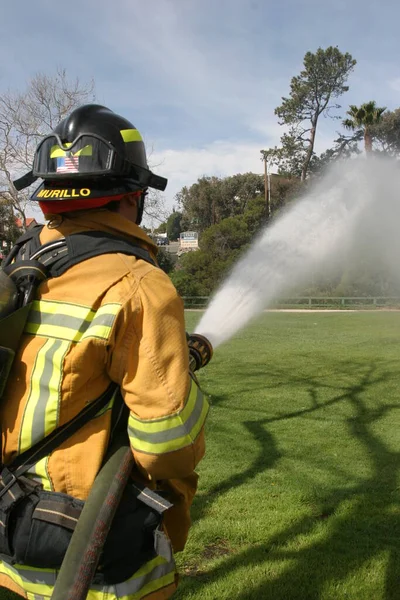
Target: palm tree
363	118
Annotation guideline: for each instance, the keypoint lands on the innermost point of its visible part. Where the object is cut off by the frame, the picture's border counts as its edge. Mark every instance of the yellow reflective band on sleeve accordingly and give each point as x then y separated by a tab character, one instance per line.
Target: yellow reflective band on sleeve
70	322
176	431
131	135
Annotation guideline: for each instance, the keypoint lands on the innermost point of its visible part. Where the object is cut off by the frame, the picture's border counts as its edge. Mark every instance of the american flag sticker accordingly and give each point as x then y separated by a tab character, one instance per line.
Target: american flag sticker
68	164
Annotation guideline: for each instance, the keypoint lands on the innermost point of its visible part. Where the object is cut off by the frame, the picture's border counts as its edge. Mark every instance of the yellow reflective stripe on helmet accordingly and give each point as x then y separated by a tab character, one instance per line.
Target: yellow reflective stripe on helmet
70	322
57	152
85	151
41	411
176	431
131	135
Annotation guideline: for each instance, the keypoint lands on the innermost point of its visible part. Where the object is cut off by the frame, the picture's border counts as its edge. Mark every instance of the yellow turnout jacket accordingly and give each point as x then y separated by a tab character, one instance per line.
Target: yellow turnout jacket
110	318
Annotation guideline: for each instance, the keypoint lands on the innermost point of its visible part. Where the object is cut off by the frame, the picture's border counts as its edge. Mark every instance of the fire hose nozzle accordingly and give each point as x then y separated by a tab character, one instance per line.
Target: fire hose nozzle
200	351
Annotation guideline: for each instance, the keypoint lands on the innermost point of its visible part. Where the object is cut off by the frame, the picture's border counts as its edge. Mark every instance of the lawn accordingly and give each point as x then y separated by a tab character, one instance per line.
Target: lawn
299	490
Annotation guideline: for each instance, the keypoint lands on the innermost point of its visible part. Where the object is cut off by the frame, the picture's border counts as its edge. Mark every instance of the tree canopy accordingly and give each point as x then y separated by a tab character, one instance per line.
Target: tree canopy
312	93
212	199
227	212
25	117
174	225
363	118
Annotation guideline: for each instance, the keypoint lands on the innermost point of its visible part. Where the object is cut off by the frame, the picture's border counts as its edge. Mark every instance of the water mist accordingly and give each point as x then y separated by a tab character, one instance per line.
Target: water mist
355	199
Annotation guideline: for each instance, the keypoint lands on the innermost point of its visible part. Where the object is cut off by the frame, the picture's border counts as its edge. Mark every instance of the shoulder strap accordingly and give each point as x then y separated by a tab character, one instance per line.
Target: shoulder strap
27	243
66	252
27	459
88	244
29	263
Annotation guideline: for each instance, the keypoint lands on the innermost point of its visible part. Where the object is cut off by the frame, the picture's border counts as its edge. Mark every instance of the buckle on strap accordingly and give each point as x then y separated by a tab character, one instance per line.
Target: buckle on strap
151	498
13	480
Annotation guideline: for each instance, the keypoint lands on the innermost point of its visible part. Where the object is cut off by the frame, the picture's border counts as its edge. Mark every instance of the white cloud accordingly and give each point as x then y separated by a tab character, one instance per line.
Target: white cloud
184	167
178	62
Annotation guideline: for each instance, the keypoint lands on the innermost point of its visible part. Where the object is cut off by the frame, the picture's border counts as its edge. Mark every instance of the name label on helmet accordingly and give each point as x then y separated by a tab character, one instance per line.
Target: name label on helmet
66	193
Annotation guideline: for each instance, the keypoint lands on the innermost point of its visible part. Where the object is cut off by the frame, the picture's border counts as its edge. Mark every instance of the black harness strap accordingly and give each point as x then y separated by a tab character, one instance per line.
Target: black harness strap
22	245
88	244
30	457
66	252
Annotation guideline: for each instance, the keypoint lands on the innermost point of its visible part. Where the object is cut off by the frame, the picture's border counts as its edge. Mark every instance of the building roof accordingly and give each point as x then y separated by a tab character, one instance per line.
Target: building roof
30	222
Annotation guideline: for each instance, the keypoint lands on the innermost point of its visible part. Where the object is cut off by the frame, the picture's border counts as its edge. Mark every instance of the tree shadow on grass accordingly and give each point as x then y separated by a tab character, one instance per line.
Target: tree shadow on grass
363	519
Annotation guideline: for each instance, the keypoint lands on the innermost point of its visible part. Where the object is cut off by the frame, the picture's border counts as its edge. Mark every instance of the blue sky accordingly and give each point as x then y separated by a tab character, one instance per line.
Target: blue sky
201	78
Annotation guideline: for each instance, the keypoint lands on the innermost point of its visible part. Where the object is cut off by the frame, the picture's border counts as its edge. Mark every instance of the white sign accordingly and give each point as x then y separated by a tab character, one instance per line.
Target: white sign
189	239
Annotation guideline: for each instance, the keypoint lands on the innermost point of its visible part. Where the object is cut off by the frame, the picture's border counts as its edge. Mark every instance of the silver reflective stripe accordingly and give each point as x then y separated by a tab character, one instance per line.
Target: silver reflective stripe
162	545
39	416
59	320
106	320
159	437
57	244
135	584
32	576
151	577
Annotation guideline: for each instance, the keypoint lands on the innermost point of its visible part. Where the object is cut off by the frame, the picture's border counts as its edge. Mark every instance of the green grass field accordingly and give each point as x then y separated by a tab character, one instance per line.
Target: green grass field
299	491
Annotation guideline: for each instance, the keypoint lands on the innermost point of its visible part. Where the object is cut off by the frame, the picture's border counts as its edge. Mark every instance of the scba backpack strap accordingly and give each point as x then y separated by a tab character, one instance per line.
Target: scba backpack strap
58	256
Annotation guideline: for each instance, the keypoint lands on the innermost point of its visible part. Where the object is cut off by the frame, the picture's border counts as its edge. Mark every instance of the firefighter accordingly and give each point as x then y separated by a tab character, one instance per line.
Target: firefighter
110	318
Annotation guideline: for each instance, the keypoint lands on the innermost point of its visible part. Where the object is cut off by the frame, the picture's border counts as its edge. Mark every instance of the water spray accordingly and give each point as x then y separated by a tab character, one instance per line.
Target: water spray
351	203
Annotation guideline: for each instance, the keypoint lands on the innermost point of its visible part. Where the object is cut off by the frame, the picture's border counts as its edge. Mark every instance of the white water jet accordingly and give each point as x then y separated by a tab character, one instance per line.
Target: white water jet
352	200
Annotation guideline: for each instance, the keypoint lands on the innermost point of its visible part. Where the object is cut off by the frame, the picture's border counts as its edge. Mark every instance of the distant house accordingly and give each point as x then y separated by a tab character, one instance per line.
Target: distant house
30	222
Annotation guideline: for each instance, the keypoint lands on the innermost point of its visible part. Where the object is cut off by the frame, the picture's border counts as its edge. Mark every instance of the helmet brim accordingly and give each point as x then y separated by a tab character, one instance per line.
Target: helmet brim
83	190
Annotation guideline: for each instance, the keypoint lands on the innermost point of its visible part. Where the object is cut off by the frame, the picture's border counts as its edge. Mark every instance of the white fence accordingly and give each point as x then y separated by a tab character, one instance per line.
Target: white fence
359	302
